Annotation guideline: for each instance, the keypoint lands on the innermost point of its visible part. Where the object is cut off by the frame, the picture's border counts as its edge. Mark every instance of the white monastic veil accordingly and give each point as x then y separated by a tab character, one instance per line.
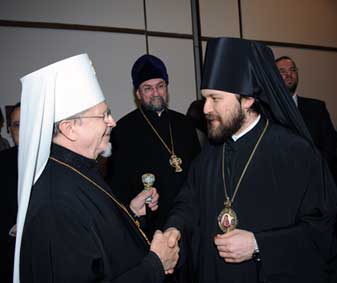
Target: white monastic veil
49	95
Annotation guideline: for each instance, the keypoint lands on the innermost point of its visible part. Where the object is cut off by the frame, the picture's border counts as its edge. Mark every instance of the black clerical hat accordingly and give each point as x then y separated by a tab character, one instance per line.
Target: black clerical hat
148	67
247	68
227	66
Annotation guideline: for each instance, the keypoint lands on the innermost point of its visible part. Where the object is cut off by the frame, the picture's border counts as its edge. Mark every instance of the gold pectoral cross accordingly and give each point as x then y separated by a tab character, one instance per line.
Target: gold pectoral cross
175	162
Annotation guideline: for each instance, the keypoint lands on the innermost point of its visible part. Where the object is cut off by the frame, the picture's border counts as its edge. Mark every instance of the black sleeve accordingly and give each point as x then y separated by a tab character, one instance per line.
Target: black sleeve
64	248
328	136
306	244
184	214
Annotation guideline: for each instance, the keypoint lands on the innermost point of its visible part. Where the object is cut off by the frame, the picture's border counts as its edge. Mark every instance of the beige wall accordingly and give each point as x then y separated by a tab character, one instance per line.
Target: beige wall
113	13
23	50
294	21
219	18
169	16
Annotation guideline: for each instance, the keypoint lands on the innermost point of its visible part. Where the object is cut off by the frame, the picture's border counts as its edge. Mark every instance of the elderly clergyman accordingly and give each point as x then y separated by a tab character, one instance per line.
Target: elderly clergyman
70	226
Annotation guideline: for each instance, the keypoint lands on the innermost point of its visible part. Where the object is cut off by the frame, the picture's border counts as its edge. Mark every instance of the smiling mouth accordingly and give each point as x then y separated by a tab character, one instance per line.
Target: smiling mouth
212	122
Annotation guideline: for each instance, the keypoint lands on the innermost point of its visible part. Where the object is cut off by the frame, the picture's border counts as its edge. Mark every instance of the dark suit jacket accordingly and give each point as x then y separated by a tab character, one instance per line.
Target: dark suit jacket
317	119
8	210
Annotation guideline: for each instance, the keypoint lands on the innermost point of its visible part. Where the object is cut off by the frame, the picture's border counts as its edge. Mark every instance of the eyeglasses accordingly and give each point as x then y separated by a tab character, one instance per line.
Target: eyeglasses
148	89
292	70
105	116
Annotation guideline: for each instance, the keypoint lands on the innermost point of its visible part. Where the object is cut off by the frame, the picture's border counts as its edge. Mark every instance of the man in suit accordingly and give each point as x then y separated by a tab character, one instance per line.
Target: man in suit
8	204
313	111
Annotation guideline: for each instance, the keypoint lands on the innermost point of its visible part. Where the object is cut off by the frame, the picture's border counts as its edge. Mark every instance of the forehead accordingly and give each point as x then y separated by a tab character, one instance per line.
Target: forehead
285	63
152	82
213	92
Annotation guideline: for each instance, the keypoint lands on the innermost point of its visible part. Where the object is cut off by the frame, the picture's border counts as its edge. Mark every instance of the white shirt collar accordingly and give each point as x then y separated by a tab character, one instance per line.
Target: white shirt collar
295	98
236	137
160	112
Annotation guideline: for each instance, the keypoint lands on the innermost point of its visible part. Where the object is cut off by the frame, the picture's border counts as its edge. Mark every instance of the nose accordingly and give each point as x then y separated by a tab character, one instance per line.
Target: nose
207	106
155	91
111	122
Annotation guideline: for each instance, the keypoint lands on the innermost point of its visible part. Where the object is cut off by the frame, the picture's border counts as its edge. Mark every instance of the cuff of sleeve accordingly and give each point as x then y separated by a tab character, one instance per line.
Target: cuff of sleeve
158	271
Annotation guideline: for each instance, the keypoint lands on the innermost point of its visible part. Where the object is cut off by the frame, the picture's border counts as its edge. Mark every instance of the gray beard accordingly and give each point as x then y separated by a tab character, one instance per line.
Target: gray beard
108	151
155	107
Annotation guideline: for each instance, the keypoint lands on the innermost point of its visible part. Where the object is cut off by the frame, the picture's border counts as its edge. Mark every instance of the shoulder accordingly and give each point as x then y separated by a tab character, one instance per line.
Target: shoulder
177	115
182	119
58	181
4	144
9	153
7	157
131	116
285	141
126	125
58	191
311	101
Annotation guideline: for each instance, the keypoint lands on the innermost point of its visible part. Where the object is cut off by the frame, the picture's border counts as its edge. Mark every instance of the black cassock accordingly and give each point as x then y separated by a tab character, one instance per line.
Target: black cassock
137	150
285	199
75	233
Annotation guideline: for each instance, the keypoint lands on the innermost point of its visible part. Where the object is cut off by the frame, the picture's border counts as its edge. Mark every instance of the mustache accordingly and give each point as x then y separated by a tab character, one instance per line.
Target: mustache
107	152
210	117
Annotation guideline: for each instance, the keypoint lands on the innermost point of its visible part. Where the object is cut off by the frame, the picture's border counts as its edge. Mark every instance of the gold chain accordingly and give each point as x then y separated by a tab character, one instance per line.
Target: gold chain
246	166
171	151
107	193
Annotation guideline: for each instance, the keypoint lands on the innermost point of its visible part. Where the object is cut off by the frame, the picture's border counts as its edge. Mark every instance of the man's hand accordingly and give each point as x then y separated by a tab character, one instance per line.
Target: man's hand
137	205
173	235
235	246
168	255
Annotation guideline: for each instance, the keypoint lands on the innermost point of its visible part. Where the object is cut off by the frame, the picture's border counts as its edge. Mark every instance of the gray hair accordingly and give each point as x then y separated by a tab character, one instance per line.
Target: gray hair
76	118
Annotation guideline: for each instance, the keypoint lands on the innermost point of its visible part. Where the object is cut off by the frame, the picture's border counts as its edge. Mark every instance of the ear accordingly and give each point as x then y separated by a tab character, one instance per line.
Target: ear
68	129
247	102
138	95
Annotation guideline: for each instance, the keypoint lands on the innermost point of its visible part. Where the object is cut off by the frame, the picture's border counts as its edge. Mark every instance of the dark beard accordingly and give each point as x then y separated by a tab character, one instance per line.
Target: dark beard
155	107
292	88
223	132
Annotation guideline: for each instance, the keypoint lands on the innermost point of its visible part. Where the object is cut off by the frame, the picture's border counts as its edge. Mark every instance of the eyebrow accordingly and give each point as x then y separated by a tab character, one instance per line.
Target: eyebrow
214	95
162	82
106	110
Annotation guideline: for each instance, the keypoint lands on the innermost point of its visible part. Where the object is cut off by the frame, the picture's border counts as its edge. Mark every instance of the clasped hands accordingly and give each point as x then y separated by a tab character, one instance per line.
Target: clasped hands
234	247
166	247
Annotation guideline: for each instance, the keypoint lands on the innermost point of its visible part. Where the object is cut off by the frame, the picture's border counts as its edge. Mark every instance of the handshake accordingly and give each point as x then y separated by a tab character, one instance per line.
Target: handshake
165	246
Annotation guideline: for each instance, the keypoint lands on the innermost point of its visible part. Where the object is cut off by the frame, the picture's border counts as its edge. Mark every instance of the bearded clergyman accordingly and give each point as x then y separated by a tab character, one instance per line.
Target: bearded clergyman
260	200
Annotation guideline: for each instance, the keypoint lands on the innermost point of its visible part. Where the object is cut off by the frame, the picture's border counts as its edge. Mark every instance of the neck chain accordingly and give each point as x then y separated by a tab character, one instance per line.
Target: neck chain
227	218
174	160
121	206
